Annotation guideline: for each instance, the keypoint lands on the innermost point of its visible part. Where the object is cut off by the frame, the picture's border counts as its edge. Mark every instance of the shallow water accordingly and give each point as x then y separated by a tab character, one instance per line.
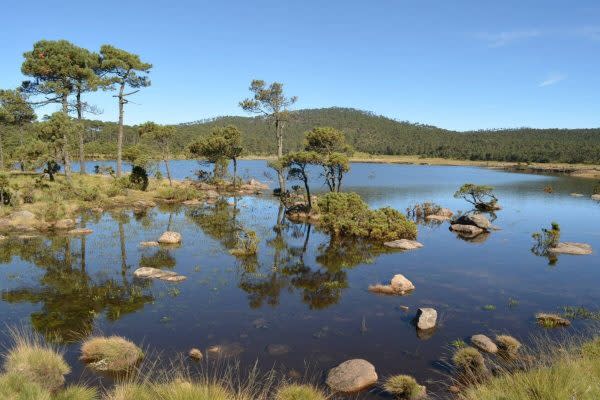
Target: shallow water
302	291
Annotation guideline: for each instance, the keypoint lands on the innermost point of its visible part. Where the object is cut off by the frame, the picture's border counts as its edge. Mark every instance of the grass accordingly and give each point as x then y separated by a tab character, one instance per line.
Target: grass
35	361
469	362
489	307
299	392
113	353
15	386
508	345
558	372
77	393
404	387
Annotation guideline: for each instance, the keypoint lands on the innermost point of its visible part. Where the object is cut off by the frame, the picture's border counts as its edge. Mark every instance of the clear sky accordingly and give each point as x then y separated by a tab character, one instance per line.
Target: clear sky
455	64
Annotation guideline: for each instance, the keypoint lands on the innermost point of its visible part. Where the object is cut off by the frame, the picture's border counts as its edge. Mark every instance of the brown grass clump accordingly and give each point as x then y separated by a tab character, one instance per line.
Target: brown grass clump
404	387
508	345
113	353
18	387
469	361
299	392
551	320
35	361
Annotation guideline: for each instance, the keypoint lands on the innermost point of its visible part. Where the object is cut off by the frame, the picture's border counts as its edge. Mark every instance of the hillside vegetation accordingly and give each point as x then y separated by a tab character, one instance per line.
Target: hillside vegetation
374	134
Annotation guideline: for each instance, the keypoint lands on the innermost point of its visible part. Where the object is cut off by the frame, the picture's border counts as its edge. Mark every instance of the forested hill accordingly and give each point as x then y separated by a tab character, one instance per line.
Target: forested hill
375	134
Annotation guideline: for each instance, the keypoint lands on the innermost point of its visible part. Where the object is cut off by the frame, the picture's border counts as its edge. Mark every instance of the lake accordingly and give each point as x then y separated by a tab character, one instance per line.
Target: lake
302	291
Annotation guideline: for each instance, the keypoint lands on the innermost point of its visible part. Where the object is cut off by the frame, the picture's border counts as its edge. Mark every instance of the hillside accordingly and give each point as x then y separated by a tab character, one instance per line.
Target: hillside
375	134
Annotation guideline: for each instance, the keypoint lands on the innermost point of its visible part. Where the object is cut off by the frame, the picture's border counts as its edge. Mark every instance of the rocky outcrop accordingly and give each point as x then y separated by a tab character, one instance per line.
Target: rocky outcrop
484	343
352	376
466	230
426	318
155	273
399	285
571	248
170	237
474	219
443	214
403	244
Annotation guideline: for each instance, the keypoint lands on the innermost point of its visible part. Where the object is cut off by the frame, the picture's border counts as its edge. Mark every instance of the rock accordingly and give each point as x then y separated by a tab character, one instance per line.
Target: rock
225	350
484	343
149	244
404	308
444	214
571	248
143	204
551	320
466	230
260	323
193	202
170	237
474	219
2	237
278	349
399	285
61	224
576	195
154	273
352	376
426	318
596	197
257	184
196	354
80	231
403	244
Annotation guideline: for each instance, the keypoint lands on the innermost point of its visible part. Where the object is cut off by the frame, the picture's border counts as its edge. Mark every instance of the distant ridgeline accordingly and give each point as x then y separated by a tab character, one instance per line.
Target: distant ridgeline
379	135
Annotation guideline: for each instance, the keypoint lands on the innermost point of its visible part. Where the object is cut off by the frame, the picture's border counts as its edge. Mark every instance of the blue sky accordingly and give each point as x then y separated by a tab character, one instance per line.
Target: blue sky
455	64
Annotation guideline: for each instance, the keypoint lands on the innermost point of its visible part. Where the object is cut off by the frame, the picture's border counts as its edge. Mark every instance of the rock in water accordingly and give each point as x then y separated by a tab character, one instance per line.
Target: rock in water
572	248
484	343
196	354
596	197
466	230
477	220
170	237
403	244
149	244
225	350
352	376
399	285
278	349
426	318
155	273
80	231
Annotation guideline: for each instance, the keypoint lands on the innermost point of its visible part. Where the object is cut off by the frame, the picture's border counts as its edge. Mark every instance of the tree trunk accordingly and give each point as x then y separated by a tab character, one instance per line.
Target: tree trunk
1	152
123	250
81	147
168	171
120	132
279	135
234	172
305	179
21	161
65	150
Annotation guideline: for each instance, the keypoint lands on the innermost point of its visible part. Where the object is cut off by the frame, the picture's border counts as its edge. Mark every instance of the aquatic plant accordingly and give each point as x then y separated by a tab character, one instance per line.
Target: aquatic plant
35	361
112	353
548	189
299	392
422	210
489	307
346	214
546	239
404	387
247	243
551	320
458	343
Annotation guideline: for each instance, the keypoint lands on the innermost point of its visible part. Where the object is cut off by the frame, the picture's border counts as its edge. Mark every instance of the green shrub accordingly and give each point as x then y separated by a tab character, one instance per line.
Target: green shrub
138	178
404	387
118	187
299	392
346	214
16	386
546	239
178	193
88	193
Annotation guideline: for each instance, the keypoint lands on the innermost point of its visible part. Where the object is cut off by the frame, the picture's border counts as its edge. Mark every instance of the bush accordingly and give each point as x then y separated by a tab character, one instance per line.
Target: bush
346	214
404	387
36	363
546	239
88	193
138	178
16	386
247	243
299	392
28	193
179	193
110	353
54	209
118	187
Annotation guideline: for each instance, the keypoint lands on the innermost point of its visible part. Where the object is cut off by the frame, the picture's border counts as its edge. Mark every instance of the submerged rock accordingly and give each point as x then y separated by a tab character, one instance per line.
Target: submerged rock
484	343
571	248
170	237
399	285
278	349
225	350
404	244
466	230
352	376
154	273
596	197
426	318
443	214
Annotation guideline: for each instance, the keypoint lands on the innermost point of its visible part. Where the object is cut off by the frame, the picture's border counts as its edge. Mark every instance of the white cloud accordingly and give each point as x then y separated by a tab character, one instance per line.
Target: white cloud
552	79
504	38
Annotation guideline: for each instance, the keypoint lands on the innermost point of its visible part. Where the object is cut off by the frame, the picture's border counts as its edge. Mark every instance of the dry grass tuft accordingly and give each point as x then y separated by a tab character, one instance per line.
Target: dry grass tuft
113	353
404	387
17	387
299	392
508	345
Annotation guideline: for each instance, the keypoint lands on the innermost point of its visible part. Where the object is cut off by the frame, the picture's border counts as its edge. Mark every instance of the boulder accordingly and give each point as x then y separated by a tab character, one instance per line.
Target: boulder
80	231
61	224
484	343
443	214
474	219
143	204
149	244
278	349
399	285
170	237
466	230
22	216
211	194
571	248
596	197
352	376
403	244
155	273
426	318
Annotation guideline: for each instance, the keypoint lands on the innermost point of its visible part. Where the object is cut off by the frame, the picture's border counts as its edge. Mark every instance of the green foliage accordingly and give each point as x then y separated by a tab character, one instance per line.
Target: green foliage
489	307
5	190
138	178
179	193
346	214
16	386
223	144
546	239
469	361
14	109
404	387
247	243
480	196
298	392
330	144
